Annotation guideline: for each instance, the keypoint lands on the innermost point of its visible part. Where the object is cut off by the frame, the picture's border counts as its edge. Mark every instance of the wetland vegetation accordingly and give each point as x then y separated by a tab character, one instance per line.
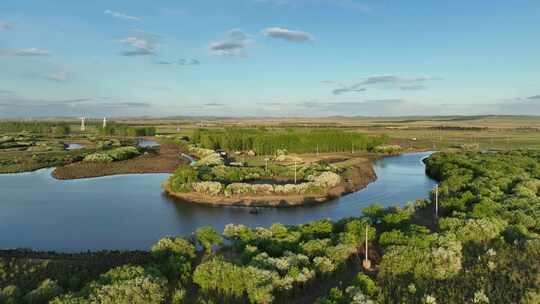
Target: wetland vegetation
483	247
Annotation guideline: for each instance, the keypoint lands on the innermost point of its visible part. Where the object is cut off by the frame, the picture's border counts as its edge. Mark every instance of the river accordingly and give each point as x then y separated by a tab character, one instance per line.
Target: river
131	212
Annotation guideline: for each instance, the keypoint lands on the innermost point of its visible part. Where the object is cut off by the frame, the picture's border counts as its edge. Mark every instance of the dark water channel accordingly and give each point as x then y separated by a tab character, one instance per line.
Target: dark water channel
130	211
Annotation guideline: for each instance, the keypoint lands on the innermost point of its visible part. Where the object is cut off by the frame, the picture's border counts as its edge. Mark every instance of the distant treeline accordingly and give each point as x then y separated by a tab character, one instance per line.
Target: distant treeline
59	128
458	128
125	130
267	142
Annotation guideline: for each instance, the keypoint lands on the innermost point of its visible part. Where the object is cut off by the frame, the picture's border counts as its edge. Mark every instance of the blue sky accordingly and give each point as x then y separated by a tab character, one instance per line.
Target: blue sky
268	57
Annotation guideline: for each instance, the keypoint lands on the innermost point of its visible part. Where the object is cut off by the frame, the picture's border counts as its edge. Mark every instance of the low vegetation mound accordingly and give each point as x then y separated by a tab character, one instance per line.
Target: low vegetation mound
118	154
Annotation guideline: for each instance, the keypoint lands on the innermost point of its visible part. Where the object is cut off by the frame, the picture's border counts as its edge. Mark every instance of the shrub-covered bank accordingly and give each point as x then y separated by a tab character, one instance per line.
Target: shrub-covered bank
164	159
262	265
279	183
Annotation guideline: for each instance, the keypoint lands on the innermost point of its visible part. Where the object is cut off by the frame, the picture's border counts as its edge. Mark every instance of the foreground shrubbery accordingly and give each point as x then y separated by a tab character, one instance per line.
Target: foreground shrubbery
280	261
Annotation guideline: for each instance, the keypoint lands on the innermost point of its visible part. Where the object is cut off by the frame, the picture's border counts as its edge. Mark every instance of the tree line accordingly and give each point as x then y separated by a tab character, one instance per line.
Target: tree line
267	142
126	130
57	128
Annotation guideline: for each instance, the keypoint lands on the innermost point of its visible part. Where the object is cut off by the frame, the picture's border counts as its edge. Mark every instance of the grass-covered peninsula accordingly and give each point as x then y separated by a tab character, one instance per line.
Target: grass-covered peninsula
253	167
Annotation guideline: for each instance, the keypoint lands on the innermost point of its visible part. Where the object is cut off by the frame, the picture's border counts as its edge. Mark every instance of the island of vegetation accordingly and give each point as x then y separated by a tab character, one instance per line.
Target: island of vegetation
483	247
271	177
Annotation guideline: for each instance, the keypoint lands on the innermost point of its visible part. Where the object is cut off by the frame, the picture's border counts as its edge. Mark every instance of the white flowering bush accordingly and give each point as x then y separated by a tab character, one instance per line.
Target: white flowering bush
327	179
429	299
480	297
210	188
357	296
324	265
98	158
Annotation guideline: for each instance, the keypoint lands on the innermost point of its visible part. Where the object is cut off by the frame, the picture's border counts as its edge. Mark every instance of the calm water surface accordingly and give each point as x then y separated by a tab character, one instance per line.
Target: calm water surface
74	146
147	143
130	211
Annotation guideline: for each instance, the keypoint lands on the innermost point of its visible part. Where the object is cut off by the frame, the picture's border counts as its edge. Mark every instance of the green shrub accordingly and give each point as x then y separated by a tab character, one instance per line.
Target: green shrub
182	178
10	294
46	291
207	237
98	158
123	153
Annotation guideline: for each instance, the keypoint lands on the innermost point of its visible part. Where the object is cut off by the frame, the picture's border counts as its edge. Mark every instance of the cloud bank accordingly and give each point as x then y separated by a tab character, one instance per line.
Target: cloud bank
14	106
405	83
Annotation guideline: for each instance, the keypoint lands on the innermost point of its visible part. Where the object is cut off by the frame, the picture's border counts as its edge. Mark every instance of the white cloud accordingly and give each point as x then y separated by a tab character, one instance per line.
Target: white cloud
188	62
57	76
234	44
392	79
141	46
405	83
288	35
122	15
5	25
30	52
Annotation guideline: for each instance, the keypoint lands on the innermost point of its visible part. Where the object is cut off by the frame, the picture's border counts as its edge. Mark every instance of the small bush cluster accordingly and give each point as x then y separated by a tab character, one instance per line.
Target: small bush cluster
118	154
387	149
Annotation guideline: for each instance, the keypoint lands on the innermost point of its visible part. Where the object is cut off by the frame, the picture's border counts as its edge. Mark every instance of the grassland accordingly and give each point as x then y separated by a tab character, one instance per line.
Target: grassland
418	133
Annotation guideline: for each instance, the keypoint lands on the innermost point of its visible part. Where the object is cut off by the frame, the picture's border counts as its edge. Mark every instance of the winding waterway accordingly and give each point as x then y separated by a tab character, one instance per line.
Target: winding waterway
130	211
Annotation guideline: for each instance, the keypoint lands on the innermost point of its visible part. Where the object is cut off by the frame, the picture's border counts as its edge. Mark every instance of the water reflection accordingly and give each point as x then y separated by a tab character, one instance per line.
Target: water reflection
131	211
147	143
73	146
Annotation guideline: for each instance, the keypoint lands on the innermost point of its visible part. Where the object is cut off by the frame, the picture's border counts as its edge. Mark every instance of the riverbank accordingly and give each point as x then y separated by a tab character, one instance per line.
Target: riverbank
358	175
165	160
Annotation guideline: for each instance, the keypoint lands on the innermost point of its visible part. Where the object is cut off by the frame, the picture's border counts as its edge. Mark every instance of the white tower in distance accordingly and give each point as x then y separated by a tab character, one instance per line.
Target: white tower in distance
104	122
83	127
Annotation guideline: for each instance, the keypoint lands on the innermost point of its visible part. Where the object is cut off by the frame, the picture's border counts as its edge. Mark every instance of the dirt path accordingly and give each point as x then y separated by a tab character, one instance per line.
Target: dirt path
166	160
